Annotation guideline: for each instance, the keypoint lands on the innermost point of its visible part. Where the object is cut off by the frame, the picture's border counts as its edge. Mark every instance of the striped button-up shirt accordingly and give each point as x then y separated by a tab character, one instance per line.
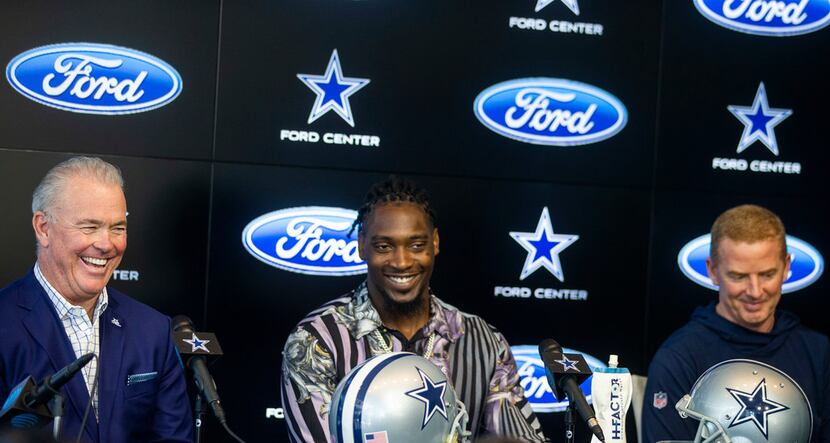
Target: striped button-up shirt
83	333
341	334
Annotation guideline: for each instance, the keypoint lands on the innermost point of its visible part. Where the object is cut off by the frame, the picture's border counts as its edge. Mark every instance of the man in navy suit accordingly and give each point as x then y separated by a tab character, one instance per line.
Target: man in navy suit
62	309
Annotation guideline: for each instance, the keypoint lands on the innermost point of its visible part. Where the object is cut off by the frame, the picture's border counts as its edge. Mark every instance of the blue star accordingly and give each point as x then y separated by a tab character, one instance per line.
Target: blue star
568	364
333	90
755	407
571	4
197	344
543	247
432	395
759	121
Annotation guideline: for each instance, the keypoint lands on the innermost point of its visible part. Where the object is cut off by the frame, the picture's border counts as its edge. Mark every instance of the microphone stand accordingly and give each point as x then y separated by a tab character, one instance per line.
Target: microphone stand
56	408
569	424
199	409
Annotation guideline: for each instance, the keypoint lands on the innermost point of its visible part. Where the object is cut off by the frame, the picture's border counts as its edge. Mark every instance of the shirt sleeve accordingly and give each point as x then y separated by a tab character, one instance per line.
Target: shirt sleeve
669	379
308	382
506	410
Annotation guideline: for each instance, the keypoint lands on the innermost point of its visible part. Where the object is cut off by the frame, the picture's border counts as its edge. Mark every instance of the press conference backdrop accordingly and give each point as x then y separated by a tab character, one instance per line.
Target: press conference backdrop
573	148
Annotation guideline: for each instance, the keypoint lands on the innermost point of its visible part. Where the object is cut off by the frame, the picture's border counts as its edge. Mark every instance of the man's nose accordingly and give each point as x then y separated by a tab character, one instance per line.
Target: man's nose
401	258
754	286
104	240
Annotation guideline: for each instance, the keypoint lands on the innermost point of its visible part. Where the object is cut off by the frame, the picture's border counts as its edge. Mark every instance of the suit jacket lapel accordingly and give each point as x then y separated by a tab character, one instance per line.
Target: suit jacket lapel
43	324
111	380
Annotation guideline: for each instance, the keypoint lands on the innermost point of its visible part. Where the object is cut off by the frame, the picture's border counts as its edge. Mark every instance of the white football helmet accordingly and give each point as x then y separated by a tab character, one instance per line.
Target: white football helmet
398	397
745	401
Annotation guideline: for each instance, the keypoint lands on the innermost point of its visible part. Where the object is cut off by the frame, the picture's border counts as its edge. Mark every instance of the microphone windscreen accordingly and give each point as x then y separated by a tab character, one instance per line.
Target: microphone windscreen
84	359
549	345
182	323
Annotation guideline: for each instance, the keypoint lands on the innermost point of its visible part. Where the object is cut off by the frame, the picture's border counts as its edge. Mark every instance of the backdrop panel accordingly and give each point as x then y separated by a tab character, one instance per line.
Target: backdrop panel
771	141
485	229
164	265
331	70
184	35
673	296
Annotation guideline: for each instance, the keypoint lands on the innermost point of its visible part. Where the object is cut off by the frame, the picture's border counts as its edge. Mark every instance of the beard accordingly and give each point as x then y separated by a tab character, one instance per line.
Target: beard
412	308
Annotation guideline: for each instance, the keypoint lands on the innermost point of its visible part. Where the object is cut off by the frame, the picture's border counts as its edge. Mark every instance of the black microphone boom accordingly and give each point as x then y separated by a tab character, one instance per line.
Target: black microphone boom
196	362
26	407
44	392
567	381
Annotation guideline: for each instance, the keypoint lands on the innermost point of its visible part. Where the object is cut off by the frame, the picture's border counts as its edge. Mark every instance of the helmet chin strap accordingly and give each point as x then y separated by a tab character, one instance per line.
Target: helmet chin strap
702	435
458	431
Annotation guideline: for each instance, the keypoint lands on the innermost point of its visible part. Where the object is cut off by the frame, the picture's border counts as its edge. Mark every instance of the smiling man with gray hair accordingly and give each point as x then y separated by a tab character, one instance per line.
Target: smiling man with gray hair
134	391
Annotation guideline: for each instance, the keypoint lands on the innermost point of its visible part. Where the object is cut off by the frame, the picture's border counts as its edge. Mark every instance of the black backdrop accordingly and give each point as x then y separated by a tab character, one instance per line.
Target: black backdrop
200	168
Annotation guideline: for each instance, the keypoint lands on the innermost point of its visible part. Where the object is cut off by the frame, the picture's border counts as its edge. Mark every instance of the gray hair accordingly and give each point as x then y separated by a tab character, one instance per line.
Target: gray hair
53	183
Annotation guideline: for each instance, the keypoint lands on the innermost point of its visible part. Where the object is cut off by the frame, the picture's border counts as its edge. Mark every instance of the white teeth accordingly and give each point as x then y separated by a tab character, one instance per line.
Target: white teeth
401	279
95	261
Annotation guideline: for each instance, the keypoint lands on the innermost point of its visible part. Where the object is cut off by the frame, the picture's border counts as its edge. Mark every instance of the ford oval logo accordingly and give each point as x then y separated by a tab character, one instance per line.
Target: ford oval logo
806	264
310	240
550	111
535	383
94	78
767	17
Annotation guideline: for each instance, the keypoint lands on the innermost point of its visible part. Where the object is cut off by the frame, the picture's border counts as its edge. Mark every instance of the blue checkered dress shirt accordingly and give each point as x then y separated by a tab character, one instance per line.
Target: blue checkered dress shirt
83	333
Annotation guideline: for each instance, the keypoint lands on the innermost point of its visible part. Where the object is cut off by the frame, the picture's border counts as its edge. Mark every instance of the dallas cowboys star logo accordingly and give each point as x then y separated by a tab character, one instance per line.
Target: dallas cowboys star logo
755	407
543	247
759	121
568	364
197	344
333	90
571	4
432	395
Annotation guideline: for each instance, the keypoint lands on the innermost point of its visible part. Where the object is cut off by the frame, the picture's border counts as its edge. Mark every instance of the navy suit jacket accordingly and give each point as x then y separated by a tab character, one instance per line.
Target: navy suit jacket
135	339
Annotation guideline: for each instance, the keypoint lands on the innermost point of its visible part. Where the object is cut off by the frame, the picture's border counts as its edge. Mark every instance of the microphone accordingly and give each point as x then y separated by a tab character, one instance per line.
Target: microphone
195	347
48	388
26	408
565	372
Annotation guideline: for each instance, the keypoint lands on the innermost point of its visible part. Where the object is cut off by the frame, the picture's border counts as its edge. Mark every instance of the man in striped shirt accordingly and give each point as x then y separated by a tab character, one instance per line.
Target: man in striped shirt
394	310
134	390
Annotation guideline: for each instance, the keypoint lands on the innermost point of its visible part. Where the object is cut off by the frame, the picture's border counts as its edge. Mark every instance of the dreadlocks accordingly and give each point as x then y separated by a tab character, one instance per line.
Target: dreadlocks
393	189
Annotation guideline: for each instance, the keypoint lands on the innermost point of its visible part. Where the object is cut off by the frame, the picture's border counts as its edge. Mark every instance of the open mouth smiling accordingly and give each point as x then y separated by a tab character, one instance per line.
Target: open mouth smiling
401	279
96	262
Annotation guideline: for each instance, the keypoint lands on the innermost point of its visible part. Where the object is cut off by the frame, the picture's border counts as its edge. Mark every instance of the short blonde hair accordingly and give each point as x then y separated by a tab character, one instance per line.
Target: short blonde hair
747	223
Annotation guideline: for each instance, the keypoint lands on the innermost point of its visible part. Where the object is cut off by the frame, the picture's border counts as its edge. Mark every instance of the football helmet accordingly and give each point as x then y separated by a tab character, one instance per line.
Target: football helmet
745	401
397	397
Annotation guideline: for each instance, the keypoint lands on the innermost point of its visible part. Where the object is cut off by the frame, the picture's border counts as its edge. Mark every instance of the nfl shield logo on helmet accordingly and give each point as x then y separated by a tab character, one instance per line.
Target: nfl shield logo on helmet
660	400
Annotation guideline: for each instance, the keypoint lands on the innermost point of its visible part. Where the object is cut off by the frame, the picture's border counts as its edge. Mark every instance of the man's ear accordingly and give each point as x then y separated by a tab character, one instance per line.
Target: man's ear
360	239
710	269
41	225
787	263
435	239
